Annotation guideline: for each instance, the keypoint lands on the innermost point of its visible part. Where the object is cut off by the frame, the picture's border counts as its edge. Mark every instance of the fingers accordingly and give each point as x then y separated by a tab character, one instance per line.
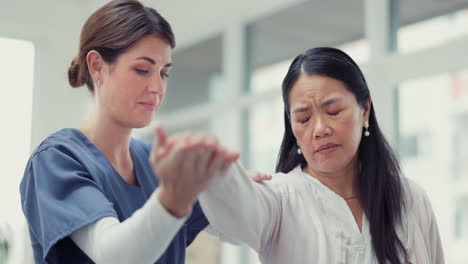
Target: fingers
193	152
198	154
259	176
159	144
160	137
205	147
164	151
162	144
169	166
217	162
198	149
231	157
262	178
205	158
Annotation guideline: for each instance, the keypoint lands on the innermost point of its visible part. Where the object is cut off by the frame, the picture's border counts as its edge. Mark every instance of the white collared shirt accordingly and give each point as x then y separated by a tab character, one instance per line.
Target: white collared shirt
295	219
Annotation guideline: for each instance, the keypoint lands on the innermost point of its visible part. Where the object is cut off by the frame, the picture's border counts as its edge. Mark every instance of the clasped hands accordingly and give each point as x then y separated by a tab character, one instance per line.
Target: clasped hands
185	164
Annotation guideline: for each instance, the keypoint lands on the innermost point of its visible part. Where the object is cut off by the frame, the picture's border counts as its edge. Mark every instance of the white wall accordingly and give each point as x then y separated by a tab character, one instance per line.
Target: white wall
16	80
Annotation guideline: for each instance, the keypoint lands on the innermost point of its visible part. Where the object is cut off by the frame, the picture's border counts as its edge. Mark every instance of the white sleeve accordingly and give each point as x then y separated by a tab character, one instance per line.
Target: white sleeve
436	250
141	238
241	209
210	230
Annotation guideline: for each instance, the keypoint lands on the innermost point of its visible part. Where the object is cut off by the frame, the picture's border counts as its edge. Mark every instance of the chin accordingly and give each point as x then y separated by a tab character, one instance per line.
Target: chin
142	124
138	123
139	126
327	170
329	167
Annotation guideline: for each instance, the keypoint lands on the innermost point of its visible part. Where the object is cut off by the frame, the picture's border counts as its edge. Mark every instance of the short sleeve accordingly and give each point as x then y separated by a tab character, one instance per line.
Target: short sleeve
58	197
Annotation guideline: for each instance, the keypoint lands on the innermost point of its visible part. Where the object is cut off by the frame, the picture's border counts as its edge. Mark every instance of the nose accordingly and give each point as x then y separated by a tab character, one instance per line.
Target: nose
156	85
321	129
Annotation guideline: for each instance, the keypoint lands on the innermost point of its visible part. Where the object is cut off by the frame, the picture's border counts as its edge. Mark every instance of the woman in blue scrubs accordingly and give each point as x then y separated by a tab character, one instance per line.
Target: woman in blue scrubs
90	193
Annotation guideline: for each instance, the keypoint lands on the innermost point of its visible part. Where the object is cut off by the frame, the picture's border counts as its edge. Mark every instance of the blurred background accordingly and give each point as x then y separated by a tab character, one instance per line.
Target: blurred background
229	63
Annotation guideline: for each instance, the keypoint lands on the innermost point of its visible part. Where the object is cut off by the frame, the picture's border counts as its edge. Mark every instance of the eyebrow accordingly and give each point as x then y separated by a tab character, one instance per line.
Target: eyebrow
330	101
326	103
150	60
301	109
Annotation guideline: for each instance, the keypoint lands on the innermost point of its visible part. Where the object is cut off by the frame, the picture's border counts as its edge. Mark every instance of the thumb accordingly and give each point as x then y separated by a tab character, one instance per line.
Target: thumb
160	136
160	140
232	156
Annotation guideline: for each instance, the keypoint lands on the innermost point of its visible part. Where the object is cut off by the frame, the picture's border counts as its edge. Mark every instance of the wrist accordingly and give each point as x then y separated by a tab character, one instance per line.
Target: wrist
173	204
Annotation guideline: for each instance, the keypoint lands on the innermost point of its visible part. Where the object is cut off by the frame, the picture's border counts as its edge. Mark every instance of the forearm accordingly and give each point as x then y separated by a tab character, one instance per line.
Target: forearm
142	238
240	209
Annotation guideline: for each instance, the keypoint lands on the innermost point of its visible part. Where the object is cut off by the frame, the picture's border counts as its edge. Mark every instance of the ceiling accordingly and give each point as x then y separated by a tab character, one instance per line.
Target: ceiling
288	32
279	29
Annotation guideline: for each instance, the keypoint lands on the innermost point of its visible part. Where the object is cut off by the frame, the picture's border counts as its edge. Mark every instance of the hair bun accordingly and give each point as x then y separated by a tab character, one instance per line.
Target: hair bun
74	74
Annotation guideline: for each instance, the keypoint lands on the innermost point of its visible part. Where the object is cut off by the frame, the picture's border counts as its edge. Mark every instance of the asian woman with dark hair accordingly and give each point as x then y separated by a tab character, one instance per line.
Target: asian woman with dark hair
338	195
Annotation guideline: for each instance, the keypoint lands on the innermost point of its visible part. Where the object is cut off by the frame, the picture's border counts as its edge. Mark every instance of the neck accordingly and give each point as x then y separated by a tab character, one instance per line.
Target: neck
342	182
112	139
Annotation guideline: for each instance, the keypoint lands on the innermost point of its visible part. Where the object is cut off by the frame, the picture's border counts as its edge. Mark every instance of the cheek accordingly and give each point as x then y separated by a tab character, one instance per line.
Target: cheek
125	85
350	130
298	132
163	93
302	134
127	81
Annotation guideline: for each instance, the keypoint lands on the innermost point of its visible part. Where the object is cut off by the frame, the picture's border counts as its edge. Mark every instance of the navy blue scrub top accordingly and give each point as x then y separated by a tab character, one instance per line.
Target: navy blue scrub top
68	184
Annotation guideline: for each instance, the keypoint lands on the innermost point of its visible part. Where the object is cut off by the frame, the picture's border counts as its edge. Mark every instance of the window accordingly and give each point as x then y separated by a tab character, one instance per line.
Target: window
16	80
433	32
434	150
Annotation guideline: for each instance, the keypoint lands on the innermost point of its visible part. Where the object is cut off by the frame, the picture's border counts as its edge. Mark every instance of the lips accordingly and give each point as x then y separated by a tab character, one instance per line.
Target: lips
150	106
326	147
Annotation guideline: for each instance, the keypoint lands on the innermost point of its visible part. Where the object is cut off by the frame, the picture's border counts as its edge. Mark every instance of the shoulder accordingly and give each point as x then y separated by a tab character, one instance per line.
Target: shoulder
284	181
417	202
59	155
414	194
66	140
280	178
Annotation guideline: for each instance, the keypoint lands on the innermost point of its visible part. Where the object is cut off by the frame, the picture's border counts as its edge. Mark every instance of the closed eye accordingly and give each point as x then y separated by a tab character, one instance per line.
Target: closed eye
334	113
141	72
305	120
164	75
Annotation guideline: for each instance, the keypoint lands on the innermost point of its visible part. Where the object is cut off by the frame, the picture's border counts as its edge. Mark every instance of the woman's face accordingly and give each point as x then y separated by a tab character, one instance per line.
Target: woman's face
327	122
134	86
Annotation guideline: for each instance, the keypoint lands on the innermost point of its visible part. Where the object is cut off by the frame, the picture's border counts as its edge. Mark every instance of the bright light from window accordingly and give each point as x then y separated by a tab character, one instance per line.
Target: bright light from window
16	82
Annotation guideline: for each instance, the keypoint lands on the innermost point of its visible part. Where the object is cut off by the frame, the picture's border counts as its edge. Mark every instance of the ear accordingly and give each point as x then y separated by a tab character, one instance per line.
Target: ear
95	65
367	108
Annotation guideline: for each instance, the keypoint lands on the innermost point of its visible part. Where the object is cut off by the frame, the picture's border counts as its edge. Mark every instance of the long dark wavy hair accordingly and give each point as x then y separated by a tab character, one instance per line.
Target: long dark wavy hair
379	180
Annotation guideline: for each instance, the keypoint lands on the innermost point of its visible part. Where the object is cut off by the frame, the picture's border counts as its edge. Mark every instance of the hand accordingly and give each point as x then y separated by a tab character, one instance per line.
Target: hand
167	143
185	164
259	176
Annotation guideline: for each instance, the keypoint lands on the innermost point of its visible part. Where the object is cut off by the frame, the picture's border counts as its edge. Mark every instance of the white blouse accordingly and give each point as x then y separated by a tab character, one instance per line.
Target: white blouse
295	219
